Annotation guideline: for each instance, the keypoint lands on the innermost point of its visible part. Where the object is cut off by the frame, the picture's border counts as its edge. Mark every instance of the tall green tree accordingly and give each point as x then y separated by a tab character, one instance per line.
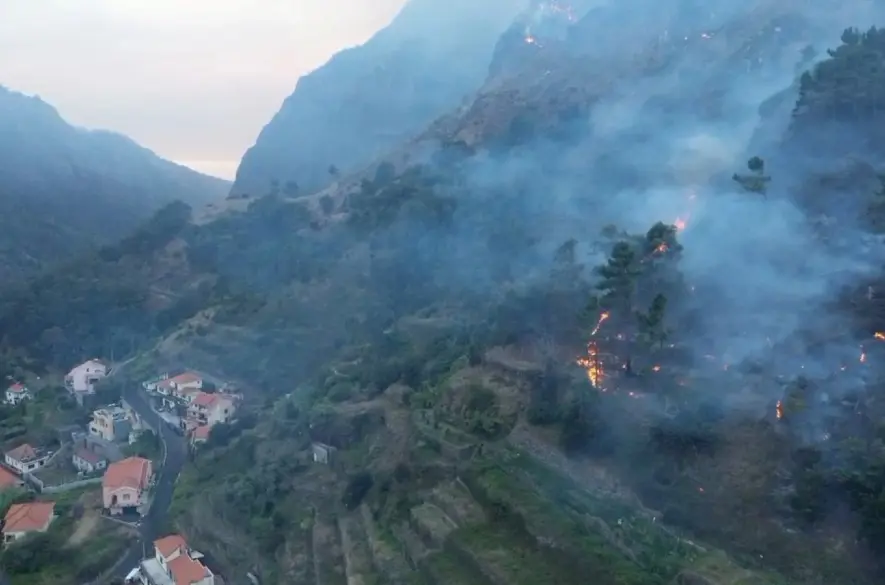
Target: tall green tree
618	275
652	328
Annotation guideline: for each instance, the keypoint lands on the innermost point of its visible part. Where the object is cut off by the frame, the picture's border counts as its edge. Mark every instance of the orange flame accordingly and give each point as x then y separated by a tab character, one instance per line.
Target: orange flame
779	410
591	363
879	335
599	323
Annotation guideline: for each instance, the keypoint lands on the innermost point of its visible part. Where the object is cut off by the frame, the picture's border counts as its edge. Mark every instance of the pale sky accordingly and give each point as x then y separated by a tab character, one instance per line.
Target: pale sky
193	80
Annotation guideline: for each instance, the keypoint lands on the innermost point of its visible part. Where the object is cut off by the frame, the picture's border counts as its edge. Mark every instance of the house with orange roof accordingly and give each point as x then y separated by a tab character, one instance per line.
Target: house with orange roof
125	485
17	393
26	459
182	387
184	382
212	408
175	563
27	518
9	480
199	434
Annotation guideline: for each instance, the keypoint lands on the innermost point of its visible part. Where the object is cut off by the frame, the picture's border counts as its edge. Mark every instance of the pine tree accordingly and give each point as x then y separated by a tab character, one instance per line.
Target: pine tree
651	323
619	274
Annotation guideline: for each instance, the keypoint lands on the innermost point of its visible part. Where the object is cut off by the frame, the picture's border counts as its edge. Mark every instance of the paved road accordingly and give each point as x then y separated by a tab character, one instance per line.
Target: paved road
153	525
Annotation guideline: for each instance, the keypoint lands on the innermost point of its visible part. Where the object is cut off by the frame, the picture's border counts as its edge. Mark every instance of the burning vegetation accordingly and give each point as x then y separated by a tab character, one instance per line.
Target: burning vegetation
546	13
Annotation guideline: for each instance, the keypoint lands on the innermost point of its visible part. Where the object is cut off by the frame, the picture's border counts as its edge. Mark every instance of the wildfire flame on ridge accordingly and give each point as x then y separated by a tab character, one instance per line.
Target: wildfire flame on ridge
590	361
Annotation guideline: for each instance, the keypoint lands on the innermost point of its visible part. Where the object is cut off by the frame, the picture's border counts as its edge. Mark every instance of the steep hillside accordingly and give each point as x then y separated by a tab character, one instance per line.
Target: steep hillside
370	98
64	190
585	339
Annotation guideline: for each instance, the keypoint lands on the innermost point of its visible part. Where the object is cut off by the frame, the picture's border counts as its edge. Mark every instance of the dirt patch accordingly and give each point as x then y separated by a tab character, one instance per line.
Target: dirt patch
85	528
88	522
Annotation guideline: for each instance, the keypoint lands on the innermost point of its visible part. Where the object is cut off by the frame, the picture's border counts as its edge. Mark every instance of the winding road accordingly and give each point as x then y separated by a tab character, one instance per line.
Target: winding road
153	524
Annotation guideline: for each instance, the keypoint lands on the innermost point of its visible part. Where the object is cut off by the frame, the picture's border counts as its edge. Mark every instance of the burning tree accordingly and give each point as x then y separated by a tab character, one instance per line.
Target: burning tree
636	269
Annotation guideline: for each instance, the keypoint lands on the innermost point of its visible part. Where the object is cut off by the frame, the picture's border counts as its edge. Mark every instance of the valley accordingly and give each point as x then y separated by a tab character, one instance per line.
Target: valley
606	310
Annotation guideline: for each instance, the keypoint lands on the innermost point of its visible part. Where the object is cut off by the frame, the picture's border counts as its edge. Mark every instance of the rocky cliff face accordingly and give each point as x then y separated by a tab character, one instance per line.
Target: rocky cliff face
368	99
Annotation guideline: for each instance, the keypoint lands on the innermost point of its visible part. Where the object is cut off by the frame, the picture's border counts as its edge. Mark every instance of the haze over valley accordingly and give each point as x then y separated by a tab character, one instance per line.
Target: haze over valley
502	293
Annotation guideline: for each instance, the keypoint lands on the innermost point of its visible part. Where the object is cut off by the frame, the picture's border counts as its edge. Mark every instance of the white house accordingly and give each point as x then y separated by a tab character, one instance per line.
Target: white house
82	379
181	388
175	563
26	459
88	461
17	393
152	384
211	408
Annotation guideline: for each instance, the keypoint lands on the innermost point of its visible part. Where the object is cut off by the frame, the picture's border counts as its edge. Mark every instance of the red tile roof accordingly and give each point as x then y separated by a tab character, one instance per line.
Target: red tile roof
186	570
205	399
202	432
8	479
17	388
186	378
133	472
23	453
28	517
169	544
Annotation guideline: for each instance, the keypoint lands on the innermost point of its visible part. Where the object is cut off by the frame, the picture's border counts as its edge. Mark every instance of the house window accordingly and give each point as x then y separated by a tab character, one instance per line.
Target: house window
125	497
32	465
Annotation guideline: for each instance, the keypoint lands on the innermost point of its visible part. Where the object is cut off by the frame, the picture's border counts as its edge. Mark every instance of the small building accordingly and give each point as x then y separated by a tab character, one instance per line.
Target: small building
83	378
175	563
181	388
323	453
17	393
152	384
24	519
26	459
125	484
211	408
111	423
9	480
88	461
199	434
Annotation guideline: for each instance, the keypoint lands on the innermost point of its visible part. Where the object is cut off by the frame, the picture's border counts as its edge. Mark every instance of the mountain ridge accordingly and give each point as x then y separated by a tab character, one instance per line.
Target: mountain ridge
594	343
72	189
369	98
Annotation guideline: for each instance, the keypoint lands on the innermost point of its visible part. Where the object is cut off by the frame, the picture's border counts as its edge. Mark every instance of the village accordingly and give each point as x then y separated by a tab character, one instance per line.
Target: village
79	471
